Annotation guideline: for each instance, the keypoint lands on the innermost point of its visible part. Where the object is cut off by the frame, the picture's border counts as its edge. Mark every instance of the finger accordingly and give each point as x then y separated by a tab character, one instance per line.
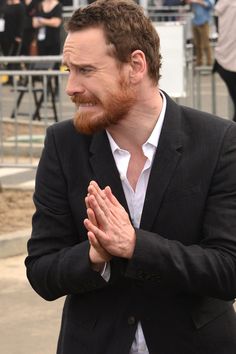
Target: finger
101	252
107	204
93	241
90	212
87	201
91	216
99	234
111	196
99	205
94	187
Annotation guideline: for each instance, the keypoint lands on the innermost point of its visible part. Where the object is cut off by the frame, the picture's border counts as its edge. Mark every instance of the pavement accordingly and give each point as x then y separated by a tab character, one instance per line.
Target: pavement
17	178
28	324
14	243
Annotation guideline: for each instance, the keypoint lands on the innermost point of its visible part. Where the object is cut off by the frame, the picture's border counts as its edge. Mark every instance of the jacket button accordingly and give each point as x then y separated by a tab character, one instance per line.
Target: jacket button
131	320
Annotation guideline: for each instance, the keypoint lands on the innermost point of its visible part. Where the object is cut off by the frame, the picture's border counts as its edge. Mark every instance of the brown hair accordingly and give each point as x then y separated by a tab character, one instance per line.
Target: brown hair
125	26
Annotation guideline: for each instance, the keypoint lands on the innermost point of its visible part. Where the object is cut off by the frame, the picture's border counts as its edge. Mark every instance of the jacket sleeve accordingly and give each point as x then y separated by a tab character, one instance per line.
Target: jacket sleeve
58	262
207	268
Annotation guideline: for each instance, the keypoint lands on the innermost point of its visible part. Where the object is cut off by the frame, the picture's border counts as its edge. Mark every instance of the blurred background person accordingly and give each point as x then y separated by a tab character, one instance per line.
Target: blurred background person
225	51
171	4
13	16
216	18
47	21
202	15
2	22
29	31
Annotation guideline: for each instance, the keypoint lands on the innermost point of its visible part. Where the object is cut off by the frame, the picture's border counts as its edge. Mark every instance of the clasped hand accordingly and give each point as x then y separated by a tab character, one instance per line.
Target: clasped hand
110	231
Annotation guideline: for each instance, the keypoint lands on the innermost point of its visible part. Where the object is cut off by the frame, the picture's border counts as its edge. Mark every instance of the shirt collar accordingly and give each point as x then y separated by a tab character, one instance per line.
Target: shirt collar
155	135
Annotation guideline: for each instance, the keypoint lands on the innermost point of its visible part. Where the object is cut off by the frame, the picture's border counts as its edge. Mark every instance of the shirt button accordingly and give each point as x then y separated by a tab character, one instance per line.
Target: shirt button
131	320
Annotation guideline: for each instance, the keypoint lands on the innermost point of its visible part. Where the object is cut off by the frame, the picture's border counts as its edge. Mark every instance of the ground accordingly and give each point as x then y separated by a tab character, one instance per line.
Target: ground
16	209
16	206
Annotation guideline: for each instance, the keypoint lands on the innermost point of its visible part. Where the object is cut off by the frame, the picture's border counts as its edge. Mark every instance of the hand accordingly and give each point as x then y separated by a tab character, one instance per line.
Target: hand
35	22
113	231
42	21
98	256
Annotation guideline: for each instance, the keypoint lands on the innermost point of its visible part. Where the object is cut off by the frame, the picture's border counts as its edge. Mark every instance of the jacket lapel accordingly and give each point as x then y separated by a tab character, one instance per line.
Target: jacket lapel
167	156
104	167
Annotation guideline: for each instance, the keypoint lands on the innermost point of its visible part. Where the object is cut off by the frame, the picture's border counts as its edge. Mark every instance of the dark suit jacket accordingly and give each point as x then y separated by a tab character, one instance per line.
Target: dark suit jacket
181	280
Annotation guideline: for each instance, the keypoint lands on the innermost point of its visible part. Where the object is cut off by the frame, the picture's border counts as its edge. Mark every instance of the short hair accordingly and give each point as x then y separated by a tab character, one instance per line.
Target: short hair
125	26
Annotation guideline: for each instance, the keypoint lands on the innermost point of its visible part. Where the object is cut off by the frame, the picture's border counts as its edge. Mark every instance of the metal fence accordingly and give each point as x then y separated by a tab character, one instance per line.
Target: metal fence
35	99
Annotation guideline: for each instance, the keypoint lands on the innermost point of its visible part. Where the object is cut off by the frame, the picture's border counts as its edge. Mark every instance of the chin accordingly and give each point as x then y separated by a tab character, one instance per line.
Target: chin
90	125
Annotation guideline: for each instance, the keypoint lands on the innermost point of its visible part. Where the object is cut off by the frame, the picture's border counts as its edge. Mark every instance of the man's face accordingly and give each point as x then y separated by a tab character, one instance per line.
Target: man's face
98	87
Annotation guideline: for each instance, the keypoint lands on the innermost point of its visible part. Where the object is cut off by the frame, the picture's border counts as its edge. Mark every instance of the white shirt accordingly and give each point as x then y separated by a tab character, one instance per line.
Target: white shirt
225	51
135	199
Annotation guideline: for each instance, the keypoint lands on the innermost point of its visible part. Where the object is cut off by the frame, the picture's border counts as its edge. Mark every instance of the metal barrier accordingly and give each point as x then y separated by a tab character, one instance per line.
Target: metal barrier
28	107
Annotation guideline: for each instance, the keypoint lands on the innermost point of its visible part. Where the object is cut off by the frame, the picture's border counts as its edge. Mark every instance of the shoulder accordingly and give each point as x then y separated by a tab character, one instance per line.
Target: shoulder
205	128
62	129
196	121
64	134
57	7
205	119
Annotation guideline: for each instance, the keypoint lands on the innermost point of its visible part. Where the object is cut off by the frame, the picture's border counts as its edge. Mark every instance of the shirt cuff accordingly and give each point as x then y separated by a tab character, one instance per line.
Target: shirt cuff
106	272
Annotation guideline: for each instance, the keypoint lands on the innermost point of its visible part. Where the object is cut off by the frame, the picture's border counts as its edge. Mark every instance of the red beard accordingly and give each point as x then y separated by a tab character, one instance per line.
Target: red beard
115	107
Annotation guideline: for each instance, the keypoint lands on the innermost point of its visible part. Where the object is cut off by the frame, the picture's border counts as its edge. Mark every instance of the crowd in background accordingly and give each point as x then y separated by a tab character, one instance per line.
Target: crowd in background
30	27
24	22
34	26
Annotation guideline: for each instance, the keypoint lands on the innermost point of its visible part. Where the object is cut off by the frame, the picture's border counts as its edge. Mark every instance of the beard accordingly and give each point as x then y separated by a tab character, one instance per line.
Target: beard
114	108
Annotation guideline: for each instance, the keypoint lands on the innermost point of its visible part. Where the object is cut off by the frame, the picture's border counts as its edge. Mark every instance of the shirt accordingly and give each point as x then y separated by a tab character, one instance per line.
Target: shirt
135	199
225	50
202	13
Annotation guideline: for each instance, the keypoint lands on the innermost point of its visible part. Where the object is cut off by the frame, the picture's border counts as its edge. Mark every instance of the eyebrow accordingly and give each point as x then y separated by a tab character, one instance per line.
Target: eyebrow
79	66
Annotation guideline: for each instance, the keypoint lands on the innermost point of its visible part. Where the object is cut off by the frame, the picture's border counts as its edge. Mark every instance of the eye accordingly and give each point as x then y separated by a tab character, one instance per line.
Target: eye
85	70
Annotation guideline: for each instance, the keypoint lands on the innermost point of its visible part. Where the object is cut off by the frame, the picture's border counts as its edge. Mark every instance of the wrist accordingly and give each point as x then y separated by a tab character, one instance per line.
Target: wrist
98	267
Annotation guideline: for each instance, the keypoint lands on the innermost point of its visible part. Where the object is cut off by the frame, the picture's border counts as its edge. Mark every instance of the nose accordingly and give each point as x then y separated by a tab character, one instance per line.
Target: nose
74	85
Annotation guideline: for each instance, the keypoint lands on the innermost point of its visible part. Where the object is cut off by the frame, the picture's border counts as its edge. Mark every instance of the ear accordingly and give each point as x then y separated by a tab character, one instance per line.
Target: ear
138	66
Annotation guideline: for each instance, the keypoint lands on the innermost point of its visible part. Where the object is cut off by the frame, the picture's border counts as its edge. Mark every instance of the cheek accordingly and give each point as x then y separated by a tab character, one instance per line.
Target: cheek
104	88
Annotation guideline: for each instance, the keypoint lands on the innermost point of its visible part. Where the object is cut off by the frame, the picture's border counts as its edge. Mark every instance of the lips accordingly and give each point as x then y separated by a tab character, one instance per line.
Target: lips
84	101
85	104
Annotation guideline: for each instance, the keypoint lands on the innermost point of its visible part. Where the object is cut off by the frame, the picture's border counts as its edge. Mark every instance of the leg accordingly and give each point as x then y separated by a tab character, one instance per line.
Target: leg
197	45
205	31
18	102
38	104
51	91
229	78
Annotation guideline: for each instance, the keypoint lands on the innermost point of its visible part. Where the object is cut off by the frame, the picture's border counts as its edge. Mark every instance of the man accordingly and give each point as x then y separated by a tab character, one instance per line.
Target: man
135	202
202	12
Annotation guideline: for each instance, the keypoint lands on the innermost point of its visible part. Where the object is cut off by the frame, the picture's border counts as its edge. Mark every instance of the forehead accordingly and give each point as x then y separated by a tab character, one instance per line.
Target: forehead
85	45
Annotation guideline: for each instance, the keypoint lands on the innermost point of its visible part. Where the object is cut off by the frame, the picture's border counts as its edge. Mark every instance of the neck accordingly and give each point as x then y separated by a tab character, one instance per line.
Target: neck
134	130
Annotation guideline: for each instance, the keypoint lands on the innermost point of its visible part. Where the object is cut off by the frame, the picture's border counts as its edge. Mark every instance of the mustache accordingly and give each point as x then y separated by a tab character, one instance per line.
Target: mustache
78	99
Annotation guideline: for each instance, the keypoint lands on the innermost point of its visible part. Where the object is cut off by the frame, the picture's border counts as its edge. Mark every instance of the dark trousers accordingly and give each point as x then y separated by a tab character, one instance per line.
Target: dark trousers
229	77
10	47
